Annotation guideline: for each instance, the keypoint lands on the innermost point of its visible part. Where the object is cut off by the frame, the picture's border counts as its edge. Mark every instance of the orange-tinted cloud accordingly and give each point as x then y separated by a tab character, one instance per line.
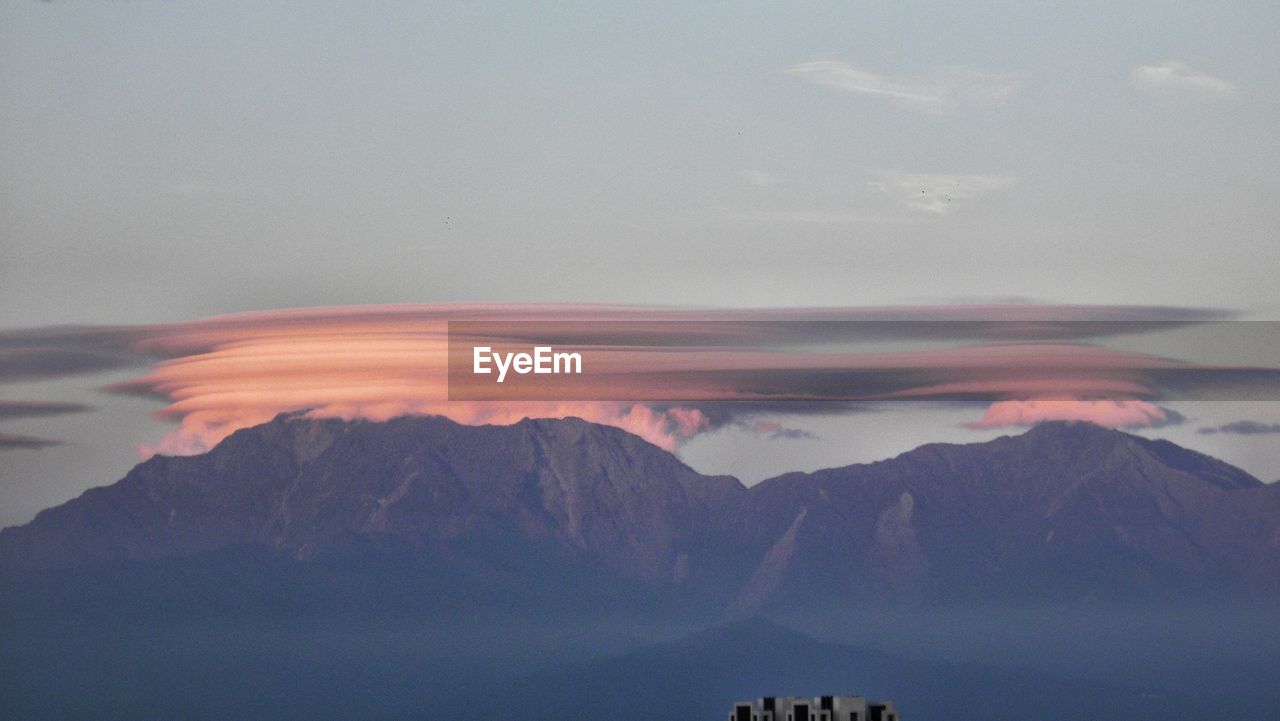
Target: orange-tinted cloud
199	431
1106	412
665	374
232	372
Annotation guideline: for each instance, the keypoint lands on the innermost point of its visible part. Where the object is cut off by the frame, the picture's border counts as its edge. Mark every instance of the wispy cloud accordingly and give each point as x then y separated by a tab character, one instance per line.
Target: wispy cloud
1123	413
775	431
1174	76
1243	428
41	362
10	410
946	89
757	178
10	442
820	217
939	193
37	409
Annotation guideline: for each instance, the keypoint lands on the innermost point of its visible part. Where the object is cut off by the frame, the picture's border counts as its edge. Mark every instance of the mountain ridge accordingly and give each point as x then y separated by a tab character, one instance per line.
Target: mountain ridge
1064	510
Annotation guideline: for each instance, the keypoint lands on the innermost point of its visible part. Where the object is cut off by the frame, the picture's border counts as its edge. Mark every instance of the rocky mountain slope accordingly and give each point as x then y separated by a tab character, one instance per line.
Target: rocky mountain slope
1064	511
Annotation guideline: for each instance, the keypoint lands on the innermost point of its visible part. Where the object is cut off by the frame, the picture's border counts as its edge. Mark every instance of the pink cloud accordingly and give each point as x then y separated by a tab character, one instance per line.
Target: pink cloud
220	374
1109	413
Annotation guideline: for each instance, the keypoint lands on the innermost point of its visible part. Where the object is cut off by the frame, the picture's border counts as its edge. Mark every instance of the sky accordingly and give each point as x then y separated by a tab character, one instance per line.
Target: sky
166	162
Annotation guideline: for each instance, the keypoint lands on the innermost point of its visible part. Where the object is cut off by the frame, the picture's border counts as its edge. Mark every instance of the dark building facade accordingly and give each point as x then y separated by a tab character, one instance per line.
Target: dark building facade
820	708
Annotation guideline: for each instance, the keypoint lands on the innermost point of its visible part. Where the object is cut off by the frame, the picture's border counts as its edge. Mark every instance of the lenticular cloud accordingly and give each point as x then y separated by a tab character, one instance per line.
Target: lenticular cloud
666	375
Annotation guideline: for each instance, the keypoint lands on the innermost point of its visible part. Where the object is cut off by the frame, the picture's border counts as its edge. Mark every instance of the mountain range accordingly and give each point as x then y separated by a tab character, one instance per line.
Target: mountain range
418	568
563	509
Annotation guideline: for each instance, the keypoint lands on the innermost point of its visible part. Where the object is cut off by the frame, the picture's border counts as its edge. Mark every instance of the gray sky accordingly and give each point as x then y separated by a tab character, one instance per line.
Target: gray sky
165	161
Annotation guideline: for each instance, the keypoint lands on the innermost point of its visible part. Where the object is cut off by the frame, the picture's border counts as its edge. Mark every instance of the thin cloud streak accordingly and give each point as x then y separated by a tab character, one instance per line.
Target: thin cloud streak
939	193
1243	428
821	217
757	178
11	442
775	431
39	409
945	90
1175	76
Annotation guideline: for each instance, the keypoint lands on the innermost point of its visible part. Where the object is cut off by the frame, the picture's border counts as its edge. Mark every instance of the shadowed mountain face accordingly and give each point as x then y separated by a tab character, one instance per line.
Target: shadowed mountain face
566	494
1063	512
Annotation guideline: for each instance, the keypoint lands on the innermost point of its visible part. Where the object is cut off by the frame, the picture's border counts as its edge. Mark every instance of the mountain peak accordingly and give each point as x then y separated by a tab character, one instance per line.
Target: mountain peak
1074	429
1081	435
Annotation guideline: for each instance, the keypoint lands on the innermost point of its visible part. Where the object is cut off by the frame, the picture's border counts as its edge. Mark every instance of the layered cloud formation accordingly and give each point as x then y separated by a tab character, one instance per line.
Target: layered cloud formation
664	374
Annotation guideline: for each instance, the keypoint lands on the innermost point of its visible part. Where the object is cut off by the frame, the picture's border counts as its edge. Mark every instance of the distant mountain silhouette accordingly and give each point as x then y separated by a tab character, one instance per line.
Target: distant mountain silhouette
1065	511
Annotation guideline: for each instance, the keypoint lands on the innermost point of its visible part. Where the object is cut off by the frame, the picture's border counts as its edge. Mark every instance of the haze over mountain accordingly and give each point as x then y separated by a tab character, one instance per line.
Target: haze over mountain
1065	511
699	676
